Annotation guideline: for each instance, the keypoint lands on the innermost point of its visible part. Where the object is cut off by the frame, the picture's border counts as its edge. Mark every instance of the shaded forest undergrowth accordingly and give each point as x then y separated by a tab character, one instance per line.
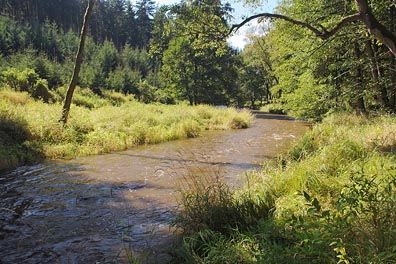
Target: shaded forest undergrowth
30	129
330	199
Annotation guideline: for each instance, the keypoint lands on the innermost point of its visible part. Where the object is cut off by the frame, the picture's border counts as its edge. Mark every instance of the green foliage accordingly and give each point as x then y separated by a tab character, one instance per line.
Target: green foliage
136	59
310	100
331	199
256	75
12	36
20	81
197	67
41	91
107	57
124	80
27	81
367	205
314	77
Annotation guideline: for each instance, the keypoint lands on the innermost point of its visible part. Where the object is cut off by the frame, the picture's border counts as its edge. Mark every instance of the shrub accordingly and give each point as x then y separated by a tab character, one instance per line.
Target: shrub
124	80
20	80
40	91
27	81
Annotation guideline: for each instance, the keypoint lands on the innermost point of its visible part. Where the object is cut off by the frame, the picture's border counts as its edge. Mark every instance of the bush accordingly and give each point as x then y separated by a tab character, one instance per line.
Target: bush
40	91
124	80
20	80
27	81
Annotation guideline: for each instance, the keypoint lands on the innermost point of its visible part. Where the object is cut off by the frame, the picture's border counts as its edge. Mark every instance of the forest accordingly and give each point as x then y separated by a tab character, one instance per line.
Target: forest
179	53
153	73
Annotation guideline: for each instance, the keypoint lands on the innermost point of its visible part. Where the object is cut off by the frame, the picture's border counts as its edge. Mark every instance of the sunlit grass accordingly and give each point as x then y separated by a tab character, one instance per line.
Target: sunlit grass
331	199
102	124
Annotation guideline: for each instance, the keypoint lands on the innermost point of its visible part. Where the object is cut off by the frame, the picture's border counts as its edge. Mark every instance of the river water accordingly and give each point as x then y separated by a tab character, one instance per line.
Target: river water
115	207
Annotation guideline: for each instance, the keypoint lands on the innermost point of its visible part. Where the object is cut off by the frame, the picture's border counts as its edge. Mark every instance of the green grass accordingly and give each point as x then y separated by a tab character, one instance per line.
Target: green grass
274	108
30	130
330	199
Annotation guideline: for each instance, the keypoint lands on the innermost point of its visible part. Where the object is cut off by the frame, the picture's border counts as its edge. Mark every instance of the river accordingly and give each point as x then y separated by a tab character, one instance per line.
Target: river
112	208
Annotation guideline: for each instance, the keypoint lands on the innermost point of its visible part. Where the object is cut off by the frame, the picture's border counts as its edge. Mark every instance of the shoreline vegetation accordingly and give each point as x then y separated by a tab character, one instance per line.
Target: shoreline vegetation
30	130
330	199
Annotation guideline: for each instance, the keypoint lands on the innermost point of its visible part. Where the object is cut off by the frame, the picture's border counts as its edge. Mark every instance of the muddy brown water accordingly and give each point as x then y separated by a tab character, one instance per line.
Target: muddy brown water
100	209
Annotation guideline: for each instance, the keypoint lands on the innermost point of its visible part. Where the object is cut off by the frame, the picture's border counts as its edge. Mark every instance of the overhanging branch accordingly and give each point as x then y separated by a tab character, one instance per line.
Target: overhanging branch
323	34
364	14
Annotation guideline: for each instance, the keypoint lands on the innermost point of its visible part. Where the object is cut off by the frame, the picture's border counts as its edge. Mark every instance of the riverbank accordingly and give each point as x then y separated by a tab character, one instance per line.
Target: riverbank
30	130
120	206
330	199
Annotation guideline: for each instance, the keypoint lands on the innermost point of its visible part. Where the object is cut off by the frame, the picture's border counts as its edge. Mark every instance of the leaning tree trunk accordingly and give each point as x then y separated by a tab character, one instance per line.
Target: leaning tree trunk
364	14
77	64
379	31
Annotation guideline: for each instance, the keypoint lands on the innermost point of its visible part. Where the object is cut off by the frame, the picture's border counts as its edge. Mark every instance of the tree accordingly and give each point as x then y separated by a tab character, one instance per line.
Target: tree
144	21
341	66
77	65
195	59
257	72
363	14
161	35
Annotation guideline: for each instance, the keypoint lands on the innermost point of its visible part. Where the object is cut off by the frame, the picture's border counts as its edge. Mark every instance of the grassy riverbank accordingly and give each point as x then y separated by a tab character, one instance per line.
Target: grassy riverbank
30	130
330	199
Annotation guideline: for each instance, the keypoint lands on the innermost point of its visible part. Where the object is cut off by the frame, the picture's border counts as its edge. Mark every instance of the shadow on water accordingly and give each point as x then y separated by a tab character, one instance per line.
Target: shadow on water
267	115
54	214
98	209
241	165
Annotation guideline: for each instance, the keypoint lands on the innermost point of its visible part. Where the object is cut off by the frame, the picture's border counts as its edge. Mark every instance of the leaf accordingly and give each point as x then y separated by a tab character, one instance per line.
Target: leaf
306	196
311	210
316	204
325	214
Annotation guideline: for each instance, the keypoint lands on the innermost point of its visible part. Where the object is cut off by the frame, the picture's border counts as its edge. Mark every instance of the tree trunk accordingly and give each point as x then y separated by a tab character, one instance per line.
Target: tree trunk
376	74
364	14
77	65
375	27
392	101
360	107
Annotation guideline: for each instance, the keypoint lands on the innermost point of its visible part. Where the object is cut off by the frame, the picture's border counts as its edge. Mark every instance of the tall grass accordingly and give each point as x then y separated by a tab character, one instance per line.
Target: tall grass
330	199
30	129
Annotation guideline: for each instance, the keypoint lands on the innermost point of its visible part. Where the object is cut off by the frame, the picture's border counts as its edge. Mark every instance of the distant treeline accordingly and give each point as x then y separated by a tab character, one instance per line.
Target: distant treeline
180	52
117	20
157	53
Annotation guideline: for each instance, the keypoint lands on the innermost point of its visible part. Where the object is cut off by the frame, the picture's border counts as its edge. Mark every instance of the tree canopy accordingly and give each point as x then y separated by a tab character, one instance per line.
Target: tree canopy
345	64
314	57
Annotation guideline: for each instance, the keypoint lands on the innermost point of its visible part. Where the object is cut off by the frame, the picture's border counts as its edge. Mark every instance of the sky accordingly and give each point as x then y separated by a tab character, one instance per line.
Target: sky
238	40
